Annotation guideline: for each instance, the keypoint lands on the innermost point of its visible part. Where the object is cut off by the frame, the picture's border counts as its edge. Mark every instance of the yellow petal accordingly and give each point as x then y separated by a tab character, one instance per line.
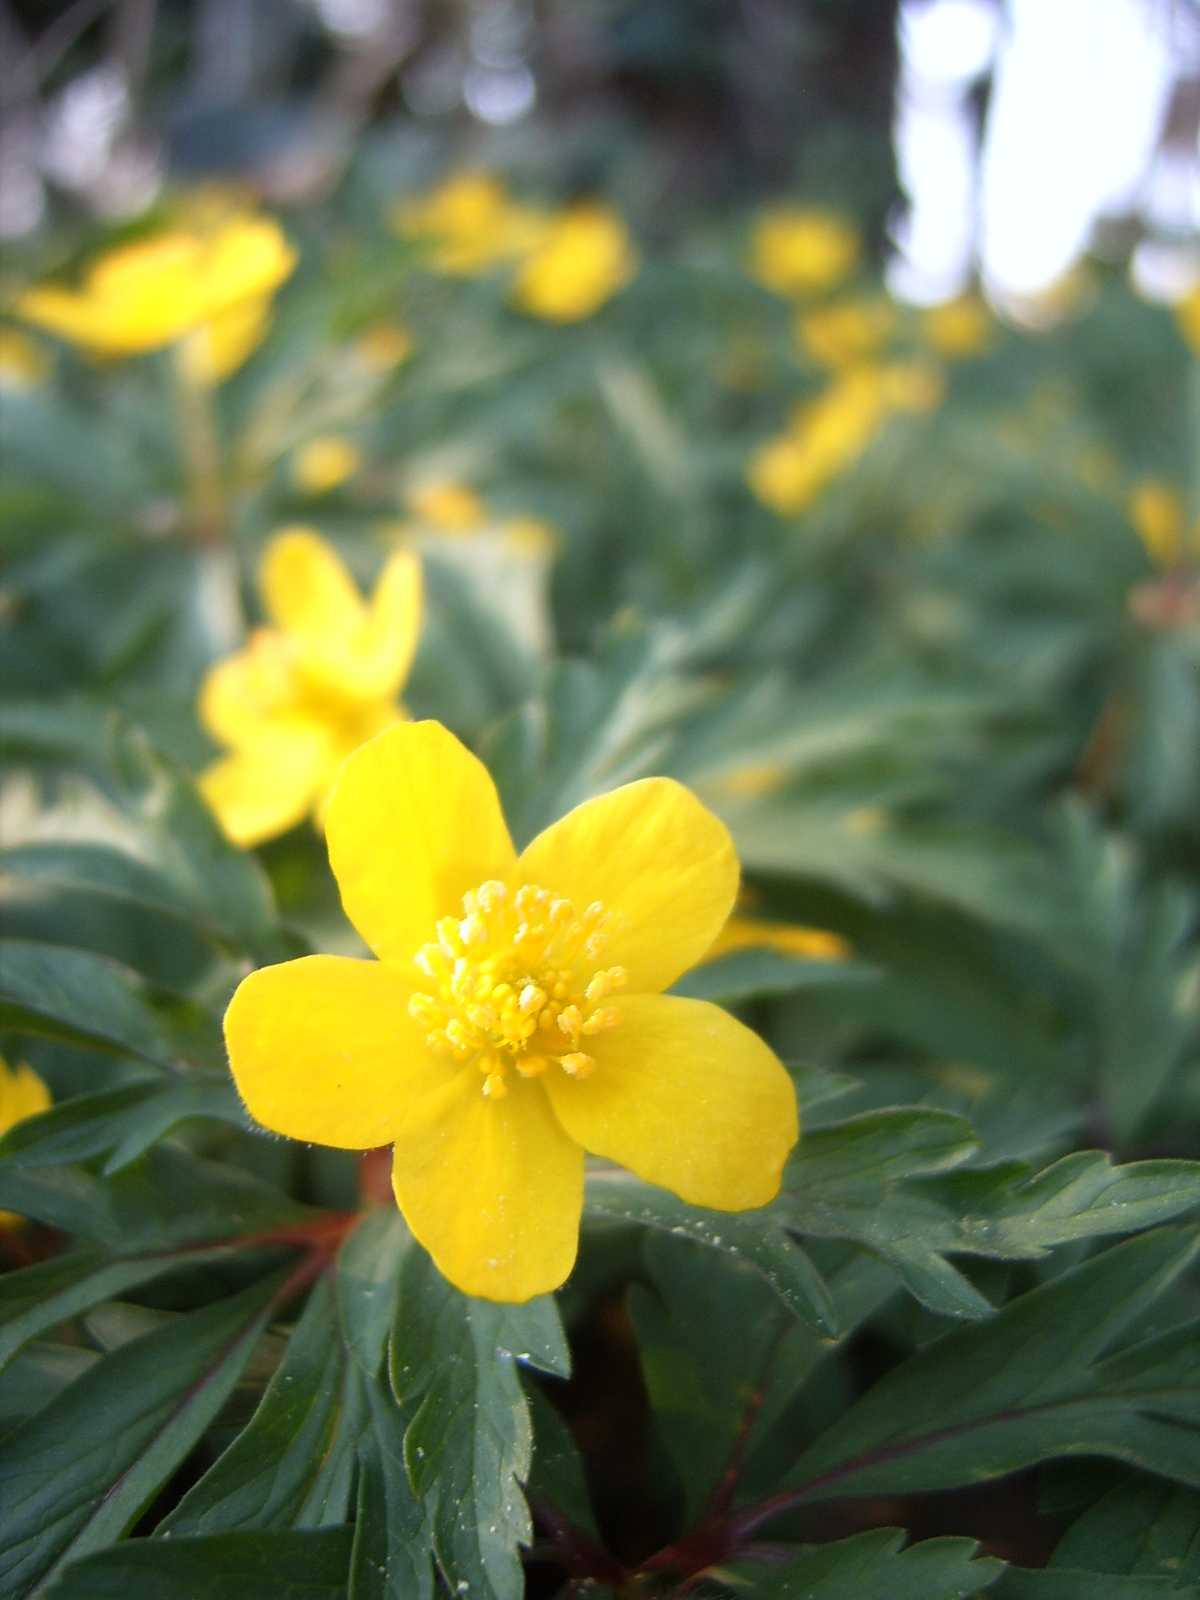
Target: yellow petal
414	821
687	1097
248	689
492	1188
261	791
323	1049
389	638
219	347
657	859
22	1094
307	590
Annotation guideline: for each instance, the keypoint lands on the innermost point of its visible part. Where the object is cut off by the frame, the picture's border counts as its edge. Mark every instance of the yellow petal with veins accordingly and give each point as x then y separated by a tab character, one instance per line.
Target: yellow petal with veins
493	1188
322	1049
413	822
662	864
687	1097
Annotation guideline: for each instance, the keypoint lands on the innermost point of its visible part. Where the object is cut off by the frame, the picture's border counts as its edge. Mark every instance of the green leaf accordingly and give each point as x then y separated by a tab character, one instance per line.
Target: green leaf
1030	1384
126	1121
756	1237
720	1356
79	997
230	1566
468	1446
393	1540
1017	1584
292	1465
368	1281
1143	1527
76	1476
874	1179
165	1199
225	885
36	1298
749	974
877	1566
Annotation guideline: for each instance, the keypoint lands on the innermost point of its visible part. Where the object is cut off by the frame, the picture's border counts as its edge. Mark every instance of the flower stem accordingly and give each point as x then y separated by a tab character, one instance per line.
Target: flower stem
207	510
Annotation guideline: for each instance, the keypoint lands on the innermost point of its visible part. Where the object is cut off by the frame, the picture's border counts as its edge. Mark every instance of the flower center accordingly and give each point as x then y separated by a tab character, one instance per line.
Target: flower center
516	984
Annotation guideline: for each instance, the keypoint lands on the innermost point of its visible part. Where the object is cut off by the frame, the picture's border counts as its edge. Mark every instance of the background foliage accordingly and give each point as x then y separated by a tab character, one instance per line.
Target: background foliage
951	711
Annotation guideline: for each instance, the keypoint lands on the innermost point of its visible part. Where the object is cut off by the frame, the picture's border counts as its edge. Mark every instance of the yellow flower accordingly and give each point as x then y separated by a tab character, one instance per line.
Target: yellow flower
1187	314
796	250
325	463
514	1018
154	292
470	224
218	347
585	258
849	331
788	938
22	1095
306	692
961	327
448	507
23	364
1156	511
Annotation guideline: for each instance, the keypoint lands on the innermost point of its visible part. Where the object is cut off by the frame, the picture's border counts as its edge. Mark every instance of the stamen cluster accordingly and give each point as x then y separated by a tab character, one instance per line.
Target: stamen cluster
516	984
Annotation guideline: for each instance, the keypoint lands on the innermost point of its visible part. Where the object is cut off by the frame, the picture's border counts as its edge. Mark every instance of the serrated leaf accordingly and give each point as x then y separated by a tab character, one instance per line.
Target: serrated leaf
468	1446
1030	1384
292	1465
126	1120
878	1566
875	1179
1018	1584
77	1475
756	1237
229	1566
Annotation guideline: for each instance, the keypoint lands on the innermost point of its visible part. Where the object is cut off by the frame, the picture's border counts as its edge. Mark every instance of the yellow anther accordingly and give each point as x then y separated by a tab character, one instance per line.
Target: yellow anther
494	1086
458	1033
570	1020
577	1065
532	998
423	1008
447	932
482	1017
491	894
472	929
600	1021
531	1066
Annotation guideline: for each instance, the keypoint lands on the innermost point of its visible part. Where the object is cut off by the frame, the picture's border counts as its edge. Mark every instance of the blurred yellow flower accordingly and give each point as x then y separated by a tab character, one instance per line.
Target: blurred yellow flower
1157	513
787	938
959	328
310	689
22	1095
1187	314
23	364
584	259
795	250
470	225
515	1017
447	507
325	463
383	346
845	332
828	435
159	290
218	347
